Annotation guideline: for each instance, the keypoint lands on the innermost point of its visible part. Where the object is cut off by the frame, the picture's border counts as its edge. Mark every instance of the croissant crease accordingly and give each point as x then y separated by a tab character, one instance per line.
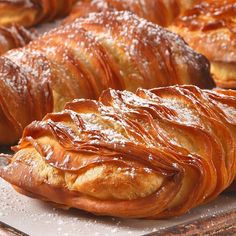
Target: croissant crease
14	37
32	12
80	60
154	154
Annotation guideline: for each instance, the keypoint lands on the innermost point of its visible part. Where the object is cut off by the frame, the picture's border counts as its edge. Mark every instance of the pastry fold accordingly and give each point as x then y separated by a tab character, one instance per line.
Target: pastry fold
80	60
31	12
15	36
150	154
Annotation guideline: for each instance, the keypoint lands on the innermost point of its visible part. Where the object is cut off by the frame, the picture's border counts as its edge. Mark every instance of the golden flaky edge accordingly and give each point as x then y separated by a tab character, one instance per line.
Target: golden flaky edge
154	154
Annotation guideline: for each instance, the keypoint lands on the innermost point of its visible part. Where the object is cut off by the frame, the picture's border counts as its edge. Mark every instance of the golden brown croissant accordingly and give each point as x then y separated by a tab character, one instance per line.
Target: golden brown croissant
153	154
209	27
157	11
14	37
32	12
80	60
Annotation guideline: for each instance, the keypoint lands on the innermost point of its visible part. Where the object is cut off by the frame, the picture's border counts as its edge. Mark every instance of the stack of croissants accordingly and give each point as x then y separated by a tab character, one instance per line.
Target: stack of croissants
127	108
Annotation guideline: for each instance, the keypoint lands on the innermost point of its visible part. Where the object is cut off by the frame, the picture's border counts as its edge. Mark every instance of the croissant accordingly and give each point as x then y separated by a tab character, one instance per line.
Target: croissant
209	27
14	37
32	12
154	154
80	60
157	11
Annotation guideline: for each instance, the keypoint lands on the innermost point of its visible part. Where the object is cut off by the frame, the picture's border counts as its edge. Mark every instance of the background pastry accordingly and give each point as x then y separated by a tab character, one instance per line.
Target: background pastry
15	36
157	11
31	12
209	28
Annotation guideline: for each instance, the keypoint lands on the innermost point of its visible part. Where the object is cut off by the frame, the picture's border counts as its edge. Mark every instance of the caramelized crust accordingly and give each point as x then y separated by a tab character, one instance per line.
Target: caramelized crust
157	11
32	12
209	27
153	154
14	37
80	60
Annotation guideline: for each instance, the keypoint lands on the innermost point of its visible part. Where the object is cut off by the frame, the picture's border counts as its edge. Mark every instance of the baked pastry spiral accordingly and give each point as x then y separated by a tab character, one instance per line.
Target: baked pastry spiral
209	27
80	60
157	11
154	154
32	12
14	37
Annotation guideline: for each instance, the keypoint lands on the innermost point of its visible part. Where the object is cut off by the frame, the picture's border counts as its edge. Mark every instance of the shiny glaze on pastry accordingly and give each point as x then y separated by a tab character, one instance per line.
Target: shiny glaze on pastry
153	154
80	60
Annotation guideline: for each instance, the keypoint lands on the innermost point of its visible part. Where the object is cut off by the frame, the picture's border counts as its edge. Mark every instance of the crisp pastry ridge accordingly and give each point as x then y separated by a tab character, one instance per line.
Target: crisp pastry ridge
151	154
81	59
31	12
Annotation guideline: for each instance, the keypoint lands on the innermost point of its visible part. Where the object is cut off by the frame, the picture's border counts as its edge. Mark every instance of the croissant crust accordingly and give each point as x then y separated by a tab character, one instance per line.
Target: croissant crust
153	154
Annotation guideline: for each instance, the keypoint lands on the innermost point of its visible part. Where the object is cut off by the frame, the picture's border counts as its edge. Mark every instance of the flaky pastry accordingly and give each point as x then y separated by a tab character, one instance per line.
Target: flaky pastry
154	154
